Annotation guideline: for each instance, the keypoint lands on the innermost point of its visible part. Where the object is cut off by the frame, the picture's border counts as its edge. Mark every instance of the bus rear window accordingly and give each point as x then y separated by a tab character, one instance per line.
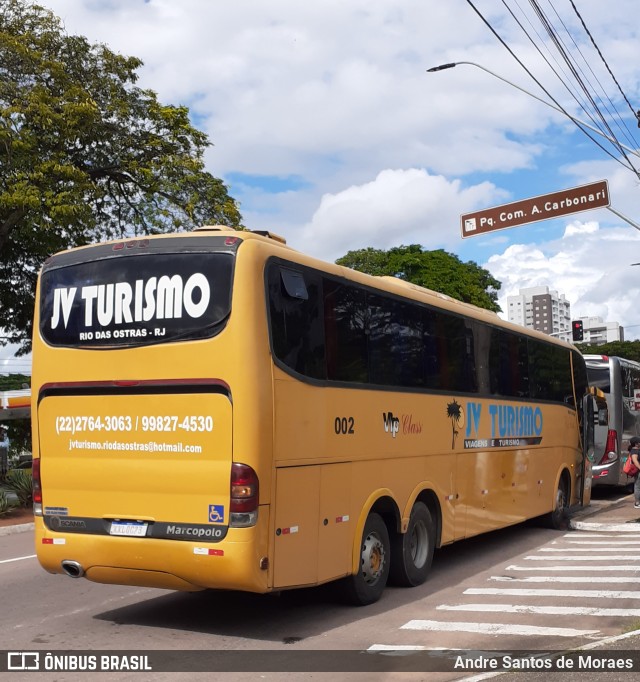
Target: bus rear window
136	300
599	377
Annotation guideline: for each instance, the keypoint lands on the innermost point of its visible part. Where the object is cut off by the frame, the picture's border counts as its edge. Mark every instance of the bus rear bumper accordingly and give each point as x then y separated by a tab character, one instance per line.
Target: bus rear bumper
606	474
236	563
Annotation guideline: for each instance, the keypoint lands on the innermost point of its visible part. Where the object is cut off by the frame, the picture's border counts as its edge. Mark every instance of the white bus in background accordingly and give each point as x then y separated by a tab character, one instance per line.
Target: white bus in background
619	380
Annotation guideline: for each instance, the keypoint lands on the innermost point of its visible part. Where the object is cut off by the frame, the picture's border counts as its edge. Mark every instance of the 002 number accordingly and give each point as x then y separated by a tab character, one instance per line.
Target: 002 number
344	426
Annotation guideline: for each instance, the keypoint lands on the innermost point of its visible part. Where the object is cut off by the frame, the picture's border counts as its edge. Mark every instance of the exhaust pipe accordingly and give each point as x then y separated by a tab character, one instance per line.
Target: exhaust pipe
72	568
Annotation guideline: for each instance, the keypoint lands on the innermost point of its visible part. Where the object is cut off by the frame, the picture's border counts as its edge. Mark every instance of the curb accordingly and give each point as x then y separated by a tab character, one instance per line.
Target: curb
18	528
611	527
614	525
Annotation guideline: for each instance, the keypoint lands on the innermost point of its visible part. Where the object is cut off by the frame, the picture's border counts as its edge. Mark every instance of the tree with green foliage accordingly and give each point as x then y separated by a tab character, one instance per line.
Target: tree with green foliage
19	434
436	270
622	349
85	155
14	382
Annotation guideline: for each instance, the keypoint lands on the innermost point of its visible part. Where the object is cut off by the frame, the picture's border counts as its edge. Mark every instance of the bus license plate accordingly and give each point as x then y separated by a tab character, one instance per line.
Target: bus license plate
137	529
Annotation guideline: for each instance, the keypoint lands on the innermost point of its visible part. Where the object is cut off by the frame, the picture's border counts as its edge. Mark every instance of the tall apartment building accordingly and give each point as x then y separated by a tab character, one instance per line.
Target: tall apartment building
542	309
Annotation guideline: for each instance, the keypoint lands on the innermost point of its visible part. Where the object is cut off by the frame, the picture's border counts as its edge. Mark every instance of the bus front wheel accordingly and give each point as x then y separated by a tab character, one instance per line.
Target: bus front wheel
559	517
412	552
367	585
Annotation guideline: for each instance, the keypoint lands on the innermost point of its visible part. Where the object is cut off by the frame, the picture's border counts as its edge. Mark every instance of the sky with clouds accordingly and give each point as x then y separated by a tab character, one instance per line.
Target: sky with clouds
329	131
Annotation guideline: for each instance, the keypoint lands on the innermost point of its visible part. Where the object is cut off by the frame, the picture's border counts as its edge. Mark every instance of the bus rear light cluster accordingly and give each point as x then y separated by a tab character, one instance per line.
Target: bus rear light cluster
243	505
37	487
610	453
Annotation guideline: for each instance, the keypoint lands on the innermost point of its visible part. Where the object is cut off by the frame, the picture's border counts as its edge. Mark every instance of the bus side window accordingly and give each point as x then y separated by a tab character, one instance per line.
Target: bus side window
297	329
508	365
449	353
551	371
346	328
395	342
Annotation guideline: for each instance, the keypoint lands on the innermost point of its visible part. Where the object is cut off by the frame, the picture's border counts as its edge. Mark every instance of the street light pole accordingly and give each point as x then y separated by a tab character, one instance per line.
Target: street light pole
577	121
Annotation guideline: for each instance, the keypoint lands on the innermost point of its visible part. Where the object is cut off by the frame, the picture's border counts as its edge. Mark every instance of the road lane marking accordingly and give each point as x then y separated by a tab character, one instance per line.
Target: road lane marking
518	592
19	558
494	628
547	610
574	568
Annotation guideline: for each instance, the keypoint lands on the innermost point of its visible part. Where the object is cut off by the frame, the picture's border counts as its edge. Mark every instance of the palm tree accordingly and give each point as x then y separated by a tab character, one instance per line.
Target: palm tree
456	414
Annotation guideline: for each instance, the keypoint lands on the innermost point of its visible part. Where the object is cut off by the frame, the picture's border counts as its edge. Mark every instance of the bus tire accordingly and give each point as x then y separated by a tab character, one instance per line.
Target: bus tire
558	519
412	552
367	585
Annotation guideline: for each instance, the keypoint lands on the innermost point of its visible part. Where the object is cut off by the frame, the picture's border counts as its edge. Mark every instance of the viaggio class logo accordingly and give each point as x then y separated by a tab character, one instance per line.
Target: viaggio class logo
165	297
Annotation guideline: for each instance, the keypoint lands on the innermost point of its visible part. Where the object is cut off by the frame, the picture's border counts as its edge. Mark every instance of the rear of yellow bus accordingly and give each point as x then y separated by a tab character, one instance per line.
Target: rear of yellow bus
152	413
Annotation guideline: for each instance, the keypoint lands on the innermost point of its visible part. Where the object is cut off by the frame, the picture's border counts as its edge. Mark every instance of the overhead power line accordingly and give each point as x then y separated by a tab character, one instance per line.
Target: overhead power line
577	76
636	114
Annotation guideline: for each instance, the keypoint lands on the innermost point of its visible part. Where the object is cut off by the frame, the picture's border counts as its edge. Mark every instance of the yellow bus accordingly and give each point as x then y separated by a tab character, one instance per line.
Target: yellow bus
217	410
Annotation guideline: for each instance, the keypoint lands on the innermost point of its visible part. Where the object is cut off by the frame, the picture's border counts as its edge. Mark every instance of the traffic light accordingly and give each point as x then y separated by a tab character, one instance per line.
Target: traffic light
578	332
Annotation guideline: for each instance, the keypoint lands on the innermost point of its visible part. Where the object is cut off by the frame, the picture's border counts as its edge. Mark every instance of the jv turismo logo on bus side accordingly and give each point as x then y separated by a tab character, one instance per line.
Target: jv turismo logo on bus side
495	425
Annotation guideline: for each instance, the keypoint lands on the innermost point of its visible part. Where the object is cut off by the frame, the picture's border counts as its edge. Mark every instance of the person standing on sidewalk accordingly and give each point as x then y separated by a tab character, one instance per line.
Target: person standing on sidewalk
634	453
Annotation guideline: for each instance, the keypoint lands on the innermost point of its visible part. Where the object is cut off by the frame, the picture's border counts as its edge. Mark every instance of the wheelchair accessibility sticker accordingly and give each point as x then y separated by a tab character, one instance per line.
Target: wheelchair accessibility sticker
216	513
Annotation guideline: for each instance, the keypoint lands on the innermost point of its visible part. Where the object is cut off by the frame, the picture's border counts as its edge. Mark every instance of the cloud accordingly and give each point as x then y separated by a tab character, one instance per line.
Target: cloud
590	265
290	88
337	94
399	206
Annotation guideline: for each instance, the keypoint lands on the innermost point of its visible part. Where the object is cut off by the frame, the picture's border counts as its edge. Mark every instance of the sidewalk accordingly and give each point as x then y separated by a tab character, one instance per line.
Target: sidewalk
618	515
19	521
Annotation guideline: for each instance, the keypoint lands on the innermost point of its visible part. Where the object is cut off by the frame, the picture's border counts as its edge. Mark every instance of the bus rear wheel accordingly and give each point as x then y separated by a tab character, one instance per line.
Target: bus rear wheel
412	552
367	585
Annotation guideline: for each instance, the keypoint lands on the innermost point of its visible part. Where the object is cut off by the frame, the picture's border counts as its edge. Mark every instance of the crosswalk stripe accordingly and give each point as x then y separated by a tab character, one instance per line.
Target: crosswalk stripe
592	594
626	536
609	543
614	557
494	628
401	647
631	569
565	579
605	527
582	549
546	610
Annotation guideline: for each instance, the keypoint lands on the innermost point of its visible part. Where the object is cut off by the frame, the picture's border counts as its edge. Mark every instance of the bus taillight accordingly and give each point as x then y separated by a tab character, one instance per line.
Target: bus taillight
243	506
36	486
610	448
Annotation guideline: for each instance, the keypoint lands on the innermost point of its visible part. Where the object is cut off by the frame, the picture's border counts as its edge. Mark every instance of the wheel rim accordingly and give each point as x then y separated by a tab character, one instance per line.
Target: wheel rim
561	505
373	558
419	544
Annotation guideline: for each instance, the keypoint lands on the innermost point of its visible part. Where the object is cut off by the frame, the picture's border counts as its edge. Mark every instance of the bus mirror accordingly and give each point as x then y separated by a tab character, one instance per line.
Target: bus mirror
588	426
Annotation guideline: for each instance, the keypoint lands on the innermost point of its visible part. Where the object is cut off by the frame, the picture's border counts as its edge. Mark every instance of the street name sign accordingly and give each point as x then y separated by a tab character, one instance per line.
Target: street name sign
543	207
